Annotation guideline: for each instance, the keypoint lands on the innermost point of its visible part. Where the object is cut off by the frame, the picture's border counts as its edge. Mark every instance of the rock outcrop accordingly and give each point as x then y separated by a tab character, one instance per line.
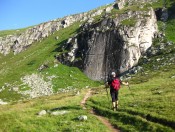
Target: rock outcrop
19	43
115	42
110	43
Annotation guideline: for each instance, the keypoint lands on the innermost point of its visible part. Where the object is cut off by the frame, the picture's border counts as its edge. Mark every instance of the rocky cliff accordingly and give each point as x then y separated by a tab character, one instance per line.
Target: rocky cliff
111	44
19	43
115	41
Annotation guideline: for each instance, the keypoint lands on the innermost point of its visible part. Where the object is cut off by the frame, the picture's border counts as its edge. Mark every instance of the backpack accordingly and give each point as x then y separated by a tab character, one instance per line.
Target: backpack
115	84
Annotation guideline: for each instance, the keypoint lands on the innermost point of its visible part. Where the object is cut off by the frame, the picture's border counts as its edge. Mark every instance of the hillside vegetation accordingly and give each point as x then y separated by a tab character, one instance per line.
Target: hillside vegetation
14	67
147	105
12	32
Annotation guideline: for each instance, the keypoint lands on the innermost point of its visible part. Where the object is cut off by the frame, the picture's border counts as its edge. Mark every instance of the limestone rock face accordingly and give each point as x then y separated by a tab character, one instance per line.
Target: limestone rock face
110	44
19	43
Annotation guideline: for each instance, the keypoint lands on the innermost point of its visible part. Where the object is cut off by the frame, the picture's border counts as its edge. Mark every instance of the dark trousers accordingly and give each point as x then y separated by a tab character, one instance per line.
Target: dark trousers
114	95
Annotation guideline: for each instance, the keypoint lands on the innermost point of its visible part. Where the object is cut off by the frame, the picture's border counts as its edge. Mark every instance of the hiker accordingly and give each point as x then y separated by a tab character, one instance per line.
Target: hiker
114	83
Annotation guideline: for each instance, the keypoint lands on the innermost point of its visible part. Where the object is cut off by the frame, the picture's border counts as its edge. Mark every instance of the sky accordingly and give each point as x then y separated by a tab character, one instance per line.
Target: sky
16	14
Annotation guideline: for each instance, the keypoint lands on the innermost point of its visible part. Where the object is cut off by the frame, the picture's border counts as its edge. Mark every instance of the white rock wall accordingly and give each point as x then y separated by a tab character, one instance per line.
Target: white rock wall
137	39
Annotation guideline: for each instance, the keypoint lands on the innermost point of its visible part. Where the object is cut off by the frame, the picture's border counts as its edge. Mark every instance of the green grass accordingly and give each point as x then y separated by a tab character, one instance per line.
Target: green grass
69	77
13	67
12	32
170	24
170	29
23	116
129	22
148	106
159	4
142	108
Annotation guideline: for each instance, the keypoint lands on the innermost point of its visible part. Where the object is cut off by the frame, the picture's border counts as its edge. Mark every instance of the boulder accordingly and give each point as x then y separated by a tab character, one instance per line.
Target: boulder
2	102
42	112
82	118
173	76
62	112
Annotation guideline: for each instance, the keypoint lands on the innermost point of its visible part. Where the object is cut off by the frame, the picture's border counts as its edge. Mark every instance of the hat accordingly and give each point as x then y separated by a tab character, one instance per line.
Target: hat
113	73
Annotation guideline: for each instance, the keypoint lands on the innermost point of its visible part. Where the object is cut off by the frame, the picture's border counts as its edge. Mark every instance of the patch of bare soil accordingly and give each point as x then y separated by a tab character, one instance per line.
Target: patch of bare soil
101	118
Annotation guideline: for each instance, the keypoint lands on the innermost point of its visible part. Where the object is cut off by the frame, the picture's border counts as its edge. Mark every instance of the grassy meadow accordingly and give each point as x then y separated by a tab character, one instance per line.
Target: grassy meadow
148	105
23	115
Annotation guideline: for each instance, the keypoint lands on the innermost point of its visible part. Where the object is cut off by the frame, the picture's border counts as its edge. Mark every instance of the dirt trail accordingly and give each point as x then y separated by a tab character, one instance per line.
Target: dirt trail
102	119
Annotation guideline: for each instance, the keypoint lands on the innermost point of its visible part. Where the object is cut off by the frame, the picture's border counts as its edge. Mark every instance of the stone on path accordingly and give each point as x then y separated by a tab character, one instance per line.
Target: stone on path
82	118
59	112
2	102
43	112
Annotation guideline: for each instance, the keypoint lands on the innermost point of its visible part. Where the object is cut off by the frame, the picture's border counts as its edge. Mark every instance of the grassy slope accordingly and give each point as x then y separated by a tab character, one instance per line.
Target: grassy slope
170	29
12	32
14	67
23	116
147	106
